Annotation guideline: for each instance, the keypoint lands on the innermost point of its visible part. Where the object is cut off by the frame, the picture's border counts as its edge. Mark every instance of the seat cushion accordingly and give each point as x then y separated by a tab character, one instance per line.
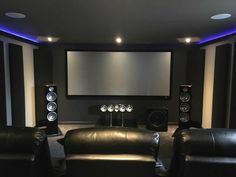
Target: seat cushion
100	165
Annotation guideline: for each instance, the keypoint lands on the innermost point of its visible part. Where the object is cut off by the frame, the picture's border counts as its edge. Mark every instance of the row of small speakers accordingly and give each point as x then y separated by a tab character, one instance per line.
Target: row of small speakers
116	108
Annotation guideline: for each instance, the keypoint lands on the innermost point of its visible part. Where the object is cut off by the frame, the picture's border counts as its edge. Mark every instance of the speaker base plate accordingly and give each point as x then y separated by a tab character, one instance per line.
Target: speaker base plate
57	132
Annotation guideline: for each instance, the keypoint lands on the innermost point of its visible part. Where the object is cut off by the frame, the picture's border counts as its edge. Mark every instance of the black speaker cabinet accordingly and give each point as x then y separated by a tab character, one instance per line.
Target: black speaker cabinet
184	106
51	109
157	119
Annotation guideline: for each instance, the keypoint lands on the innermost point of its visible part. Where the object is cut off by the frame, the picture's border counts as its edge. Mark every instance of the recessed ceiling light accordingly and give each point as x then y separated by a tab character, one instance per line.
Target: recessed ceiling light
118	40
188	39
15	15
220	16
47	39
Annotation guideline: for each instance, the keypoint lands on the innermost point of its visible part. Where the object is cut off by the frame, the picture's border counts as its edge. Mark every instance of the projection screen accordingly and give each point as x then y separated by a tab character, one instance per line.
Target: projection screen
118	73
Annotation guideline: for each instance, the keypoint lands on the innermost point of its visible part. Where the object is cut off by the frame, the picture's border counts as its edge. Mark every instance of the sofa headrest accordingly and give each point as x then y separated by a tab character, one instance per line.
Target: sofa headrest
20	140
206	142
111	140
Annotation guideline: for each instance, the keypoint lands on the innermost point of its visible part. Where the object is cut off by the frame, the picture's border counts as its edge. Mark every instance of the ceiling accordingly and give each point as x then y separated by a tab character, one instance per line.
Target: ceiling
136	21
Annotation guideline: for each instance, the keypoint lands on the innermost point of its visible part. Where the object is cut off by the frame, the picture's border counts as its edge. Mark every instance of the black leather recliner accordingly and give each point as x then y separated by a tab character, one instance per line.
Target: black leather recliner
204	152
111	152
24	152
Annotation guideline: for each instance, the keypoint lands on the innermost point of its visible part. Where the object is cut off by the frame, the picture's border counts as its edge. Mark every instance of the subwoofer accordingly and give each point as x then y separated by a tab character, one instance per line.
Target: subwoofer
51	109
157	119
184	106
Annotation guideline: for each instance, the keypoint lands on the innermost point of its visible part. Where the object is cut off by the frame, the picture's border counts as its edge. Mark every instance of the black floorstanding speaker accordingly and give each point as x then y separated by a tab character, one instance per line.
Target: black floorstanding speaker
184	106
157	119
50	111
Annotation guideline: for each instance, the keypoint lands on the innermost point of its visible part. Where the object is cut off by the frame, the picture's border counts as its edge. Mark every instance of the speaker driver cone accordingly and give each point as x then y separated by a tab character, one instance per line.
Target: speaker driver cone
51	96
184	96
51	106
129	108
184	107
184	117
157	119
52	116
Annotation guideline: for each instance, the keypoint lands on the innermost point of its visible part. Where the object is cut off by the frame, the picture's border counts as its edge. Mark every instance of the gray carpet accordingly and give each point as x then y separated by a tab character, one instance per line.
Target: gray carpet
57	150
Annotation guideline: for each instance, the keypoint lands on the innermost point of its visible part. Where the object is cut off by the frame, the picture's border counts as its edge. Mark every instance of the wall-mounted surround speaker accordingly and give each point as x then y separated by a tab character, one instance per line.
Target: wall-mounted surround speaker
184	106
51	109
157	119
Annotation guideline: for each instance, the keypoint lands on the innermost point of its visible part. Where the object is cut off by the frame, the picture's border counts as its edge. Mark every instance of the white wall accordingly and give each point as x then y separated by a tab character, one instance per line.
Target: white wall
28	64
208	89
208	86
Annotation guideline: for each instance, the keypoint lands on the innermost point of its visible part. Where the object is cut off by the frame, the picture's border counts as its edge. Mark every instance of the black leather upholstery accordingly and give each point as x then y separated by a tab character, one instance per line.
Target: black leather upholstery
24	152
111	151
204	152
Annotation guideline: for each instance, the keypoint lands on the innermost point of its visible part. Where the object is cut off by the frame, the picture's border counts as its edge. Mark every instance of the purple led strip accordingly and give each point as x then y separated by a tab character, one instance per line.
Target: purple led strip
23	36
217	36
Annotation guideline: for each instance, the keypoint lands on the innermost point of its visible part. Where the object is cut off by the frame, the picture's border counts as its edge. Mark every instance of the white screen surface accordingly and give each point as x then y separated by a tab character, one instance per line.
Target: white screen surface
118	73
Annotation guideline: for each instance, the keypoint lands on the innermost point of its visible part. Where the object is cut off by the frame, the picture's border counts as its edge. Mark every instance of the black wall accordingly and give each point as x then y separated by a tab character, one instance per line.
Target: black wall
17	85
43	70
221	83
86	108
2	88
195	77
232	121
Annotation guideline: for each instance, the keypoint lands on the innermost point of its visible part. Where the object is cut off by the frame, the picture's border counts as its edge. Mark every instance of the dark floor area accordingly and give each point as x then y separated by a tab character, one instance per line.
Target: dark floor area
57	151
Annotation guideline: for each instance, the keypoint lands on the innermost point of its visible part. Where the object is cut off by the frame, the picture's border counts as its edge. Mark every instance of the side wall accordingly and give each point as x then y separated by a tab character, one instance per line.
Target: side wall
28	71
209	78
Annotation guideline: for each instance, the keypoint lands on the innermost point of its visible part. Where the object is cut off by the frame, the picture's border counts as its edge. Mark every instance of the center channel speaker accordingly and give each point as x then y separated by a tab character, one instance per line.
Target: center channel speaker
51	109
157	119
185	106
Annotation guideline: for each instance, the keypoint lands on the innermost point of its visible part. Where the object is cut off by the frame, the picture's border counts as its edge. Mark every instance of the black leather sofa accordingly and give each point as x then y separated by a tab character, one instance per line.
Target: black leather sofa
111	152
24	152
204	152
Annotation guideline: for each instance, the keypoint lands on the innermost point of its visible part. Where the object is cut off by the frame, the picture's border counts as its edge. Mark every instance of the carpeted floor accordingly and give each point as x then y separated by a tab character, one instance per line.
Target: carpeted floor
58	156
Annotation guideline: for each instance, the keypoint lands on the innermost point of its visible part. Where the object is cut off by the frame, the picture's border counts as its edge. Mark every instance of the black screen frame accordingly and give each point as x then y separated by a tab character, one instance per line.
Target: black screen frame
120	50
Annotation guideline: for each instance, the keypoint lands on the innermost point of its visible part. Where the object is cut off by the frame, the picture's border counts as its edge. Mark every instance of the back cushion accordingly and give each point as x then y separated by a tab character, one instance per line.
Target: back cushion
207	142
111	140
20	140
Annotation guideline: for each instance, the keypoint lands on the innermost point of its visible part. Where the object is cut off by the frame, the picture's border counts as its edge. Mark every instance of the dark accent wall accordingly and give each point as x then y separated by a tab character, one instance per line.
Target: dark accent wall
17	85
43	70
86	108
221	82
232	121
3	114
195	77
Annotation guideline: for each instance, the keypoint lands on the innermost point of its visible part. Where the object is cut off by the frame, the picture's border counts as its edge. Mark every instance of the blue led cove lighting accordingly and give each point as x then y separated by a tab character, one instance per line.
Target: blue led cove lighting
23	36
217	36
